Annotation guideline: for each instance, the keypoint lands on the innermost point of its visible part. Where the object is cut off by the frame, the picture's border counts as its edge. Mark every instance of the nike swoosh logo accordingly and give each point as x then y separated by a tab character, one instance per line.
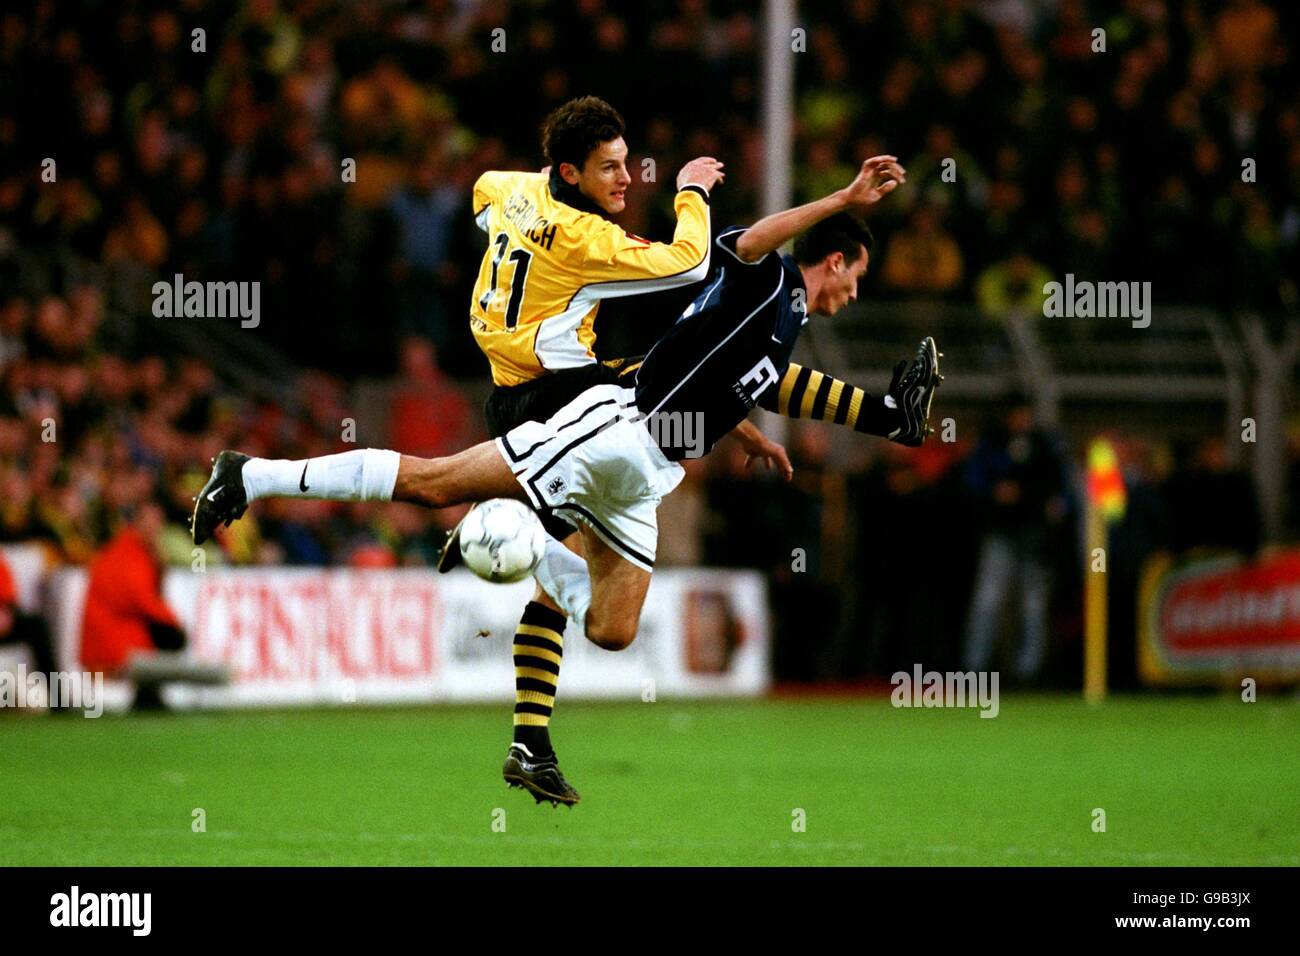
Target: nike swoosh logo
302	482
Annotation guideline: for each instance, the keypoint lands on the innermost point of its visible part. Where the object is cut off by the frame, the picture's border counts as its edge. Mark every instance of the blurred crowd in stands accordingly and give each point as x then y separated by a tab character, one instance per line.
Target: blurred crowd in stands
225	154
229	162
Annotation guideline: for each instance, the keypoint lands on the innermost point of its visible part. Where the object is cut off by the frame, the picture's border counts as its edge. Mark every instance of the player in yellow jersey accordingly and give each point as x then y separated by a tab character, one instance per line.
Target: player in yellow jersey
549	265
553	255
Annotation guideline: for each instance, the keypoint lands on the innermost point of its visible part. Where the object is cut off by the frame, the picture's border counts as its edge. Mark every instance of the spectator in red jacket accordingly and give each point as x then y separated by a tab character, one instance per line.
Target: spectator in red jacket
18	627
428	415
125	612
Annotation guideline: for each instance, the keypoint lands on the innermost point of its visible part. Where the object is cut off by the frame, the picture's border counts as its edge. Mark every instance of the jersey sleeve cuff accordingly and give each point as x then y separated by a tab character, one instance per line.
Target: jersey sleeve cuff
692	187
729	247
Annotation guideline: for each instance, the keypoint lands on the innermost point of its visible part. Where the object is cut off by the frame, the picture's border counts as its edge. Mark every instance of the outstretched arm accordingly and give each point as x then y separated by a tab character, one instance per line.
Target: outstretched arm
614	263
878	177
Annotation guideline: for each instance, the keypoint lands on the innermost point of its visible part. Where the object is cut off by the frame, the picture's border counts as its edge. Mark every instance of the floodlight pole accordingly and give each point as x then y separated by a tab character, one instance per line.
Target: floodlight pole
778	132
778	104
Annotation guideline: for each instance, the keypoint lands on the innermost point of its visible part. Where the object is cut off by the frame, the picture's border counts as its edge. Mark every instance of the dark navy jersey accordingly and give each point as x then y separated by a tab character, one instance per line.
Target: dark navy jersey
725	353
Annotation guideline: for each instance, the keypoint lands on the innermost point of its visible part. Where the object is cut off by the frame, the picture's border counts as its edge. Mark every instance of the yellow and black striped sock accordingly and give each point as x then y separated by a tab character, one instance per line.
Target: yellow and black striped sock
808	393
539	646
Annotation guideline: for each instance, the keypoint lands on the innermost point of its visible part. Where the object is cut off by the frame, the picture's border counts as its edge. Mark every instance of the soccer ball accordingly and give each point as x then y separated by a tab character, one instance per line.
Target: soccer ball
502	541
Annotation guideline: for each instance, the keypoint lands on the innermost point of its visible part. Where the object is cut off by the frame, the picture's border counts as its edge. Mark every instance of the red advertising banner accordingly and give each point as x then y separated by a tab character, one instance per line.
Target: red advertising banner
1220	618
312	626
335	637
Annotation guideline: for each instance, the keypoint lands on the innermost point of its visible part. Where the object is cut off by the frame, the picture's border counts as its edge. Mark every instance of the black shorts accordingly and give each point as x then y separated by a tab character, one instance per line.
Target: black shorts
539	399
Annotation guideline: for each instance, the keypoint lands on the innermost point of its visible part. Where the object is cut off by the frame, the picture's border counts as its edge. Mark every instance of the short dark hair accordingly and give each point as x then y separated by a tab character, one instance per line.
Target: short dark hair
842	232
578	127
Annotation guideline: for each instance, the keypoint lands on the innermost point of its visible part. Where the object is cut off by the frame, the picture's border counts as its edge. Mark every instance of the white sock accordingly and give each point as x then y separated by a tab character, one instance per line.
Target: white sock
563	575
367	474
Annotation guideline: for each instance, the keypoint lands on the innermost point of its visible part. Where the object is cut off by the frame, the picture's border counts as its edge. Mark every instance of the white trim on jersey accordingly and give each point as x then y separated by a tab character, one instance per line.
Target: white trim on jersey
740	325
703	300
732	232
481	220
556	344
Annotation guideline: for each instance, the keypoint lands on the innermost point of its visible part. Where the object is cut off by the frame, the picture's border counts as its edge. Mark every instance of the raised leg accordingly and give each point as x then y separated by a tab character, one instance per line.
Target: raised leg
476	474
368	474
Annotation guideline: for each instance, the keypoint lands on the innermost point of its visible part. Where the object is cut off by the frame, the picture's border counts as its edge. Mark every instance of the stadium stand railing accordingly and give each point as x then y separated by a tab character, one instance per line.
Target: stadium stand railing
1192	373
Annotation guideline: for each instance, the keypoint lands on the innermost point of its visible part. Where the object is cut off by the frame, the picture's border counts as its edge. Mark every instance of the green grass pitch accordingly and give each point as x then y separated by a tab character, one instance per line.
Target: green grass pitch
1182	780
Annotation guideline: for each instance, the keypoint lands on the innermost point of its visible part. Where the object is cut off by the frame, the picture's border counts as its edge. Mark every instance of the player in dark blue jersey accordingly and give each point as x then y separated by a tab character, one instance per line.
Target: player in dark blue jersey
730	349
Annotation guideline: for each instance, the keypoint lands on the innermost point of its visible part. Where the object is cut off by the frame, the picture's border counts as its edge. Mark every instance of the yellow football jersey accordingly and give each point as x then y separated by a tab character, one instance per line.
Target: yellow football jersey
548	265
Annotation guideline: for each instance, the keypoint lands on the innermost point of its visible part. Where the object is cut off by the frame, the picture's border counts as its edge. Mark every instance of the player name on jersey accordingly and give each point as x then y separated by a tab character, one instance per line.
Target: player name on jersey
522	213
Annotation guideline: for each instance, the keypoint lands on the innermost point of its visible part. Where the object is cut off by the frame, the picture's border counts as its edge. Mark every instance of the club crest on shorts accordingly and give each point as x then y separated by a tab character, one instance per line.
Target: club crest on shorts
555	485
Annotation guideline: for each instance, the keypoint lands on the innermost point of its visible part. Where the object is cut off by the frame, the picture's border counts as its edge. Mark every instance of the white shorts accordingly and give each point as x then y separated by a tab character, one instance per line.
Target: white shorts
593	461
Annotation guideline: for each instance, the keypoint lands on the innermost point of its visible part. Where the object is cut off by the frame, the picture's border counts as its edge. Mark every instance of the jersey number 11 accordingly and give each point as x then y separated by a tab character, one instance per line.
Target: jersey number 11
521	259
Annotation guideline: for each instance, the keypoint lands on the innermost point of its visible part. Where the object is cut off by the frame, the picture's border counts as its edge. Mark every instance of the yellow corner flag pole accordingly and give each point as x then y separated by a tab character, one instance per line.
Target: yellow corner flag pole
1094	608
1106	501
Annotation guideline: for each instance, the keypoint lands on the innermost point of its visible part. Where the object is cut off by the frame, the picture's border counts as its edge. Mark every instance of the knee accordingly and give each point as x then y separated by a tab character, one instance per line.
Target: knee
613	634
